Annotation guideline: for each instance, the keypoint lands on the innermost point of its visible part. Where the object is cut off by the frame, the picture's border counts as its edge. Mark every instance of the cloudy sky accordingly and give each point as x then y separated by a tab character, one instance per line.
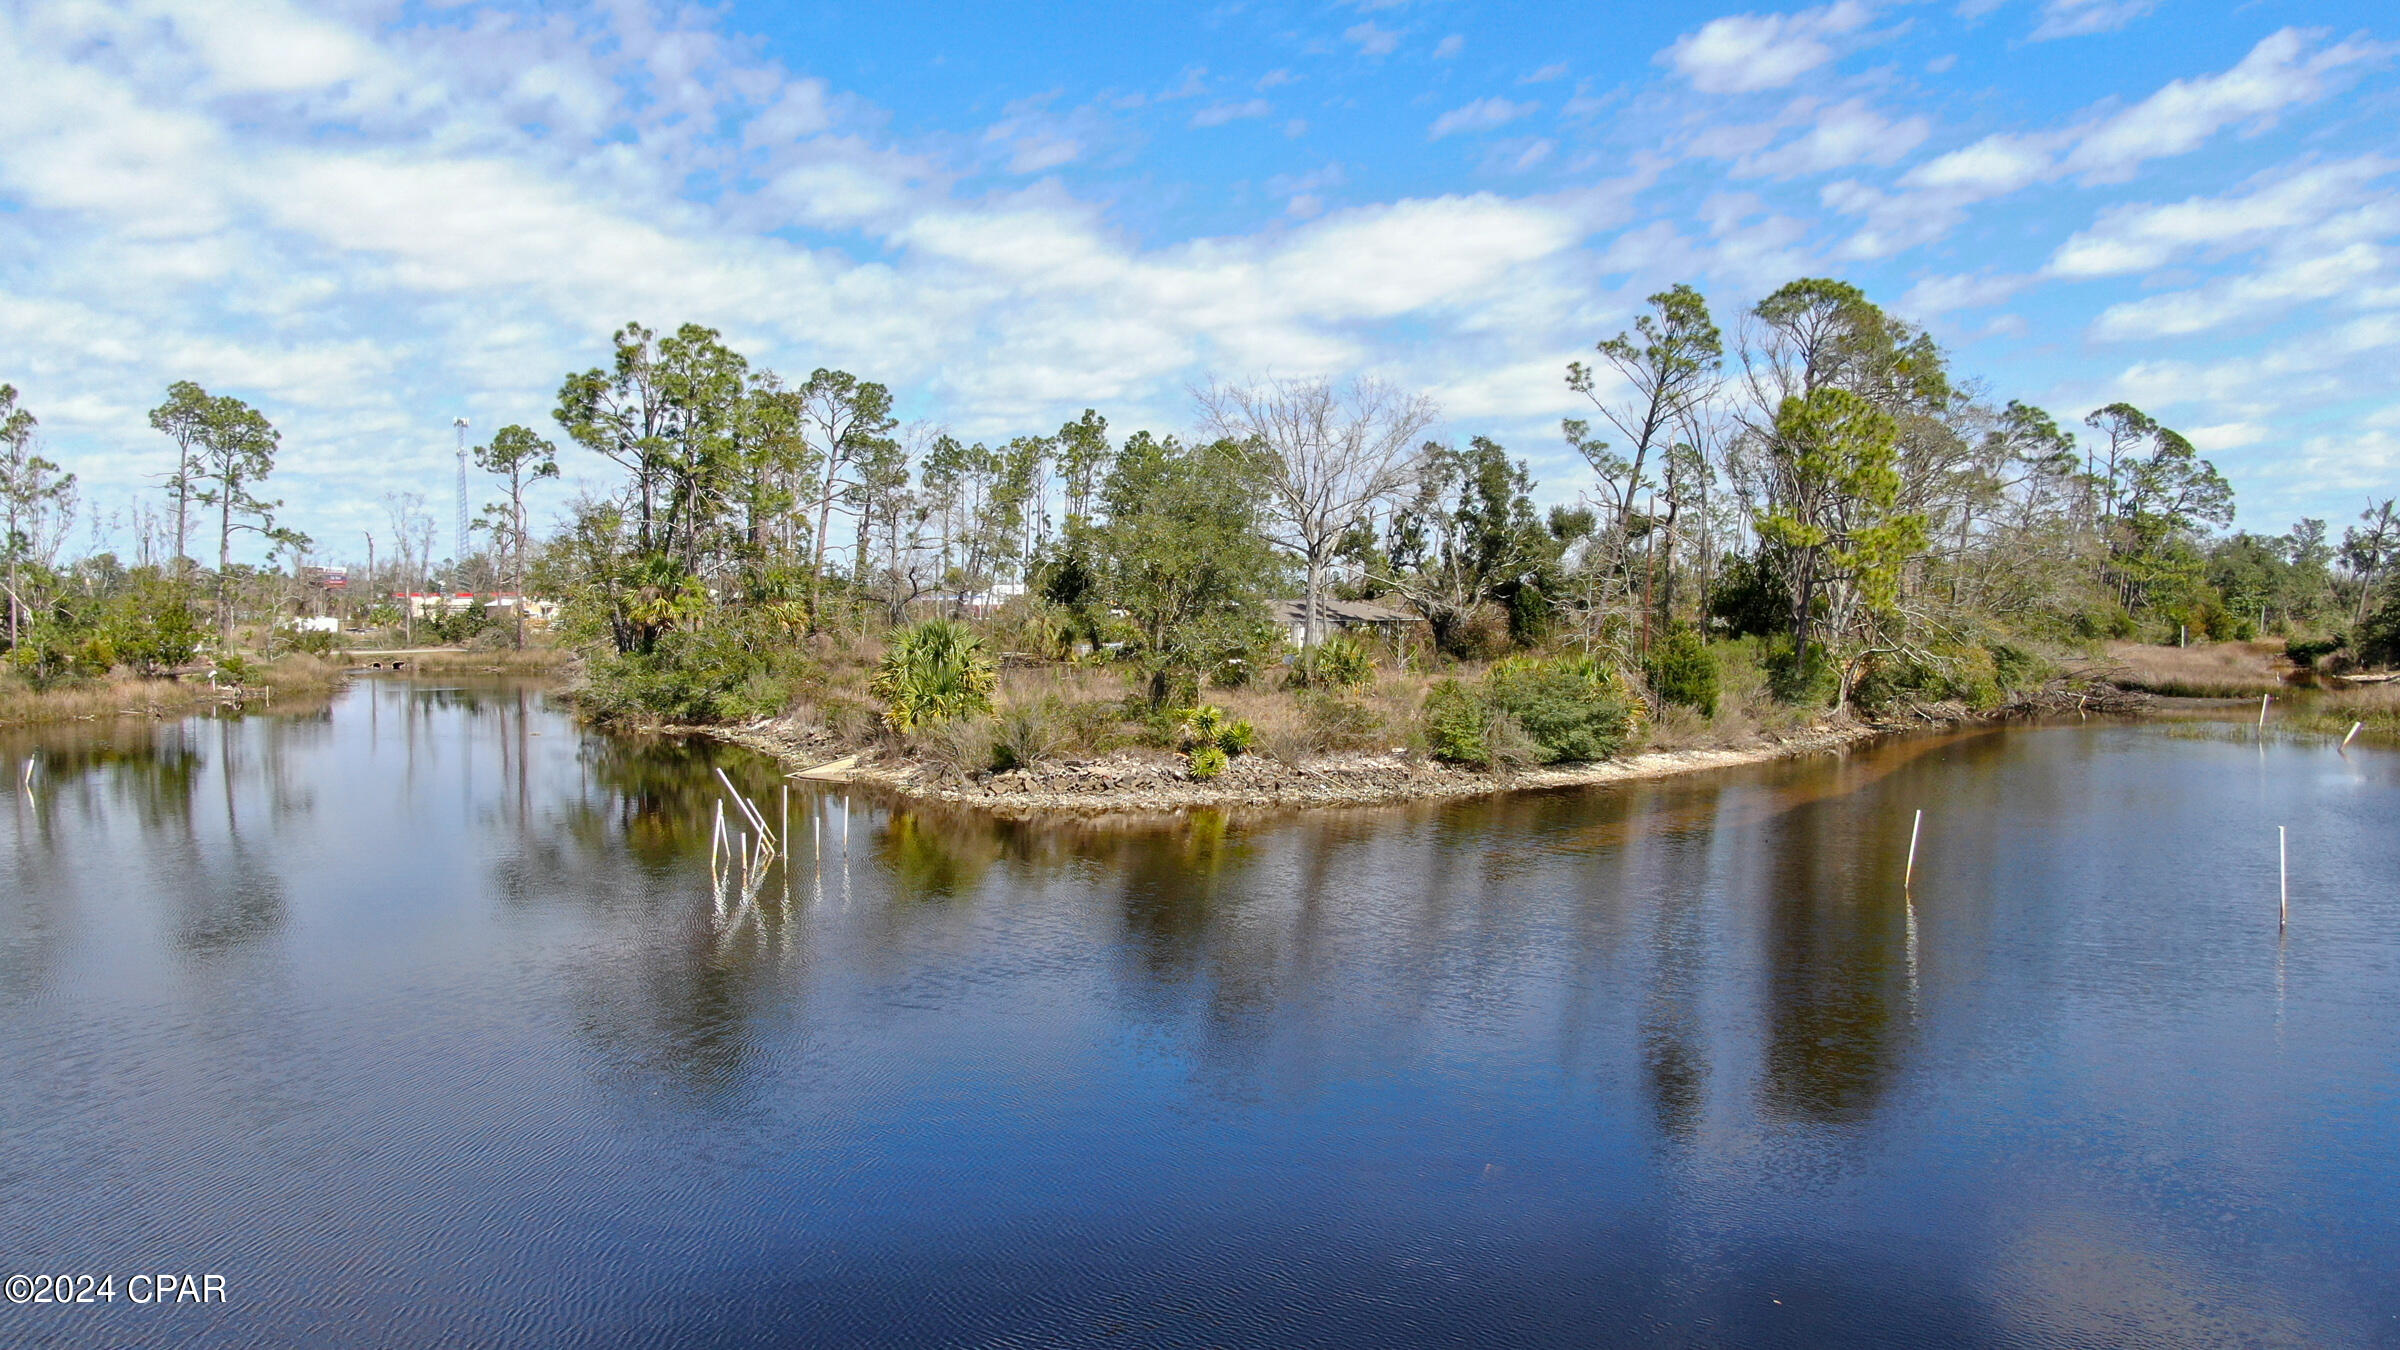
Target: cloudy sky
371	218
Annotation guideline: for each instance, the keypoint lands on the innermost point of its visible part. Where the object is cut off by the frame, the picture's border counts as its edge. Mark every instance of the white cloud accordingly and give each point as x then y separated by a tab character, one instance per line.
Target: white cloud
1992	167
1371	39
2137	238
1945	294
1556	70
1218	114
2266	294
2075	18
2281	71
1449	47
1482	115
1849	132
1743	53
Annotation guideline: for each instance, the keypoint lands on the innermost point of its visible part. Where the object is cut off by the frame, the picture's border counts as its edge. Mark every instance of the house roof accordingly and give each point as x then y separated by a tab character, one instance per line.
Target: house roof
1343	612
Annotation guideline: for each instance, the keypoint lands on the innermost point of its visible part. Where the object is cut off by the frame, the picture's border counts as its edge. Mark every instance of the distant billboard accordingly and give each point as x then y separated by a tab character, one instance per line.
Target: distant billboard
334	578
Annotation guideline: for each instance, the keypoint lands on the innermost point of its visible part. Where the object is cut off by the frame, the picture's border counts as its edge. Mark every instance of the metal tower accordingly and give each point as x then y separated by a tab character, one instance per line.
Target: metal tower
459	548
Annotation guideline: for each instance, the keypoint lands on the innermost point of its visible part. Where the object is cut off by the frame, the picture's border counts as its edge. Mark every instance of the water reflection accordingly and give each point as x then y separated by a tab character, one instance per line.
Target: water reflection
1508	1070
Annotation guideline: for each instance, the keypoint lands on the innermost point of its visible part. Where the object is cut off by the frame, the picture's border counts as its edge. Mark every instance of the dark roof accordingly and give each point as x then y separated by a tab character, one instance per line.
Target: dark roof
1343	612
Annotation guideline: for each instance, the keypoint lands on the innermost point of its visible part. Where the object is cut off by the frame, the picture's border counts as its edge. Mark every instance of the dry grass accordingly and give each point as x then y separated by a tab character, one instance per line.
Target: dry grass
2209	670
503	660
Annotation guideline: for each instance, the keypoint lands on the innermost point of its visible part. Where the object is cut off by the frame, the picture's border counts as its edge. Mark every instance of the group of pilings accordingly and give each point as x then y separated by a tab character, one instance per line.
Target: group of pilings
744	851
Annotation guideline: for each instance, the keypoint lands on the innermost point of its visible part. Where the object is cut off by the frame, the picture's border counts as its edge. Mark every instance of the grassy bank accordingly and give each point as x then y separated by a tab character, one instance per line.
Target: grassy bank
2206	670
295	675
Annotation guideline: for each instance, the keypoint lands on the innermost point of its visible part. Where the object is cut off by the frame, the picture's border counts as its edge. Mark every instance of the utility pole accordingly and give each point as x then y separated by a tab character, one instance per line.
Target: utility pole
370	577
460	544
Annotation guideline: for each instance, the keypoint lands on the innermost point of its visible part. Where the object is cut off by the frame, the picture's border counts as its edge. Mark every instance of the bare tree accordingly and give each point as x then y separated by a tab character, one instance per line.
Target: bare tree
1326	457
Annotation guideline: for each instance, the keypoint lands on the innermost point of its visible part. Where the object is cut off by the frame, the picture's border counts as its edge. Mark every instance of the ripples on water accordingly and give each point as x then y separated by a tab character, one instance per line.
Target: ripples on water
415	1017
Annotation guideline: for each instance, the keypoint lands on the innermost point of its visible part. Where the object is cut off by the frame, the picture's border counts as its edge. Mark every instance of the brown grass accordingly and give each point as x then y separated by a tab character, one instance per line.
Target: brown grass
2207	670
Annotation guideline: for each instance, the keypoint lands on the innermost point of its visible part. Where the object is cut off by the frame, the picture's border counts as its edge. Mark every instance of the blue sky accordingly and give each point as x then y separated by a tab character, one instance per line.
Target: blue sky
371	218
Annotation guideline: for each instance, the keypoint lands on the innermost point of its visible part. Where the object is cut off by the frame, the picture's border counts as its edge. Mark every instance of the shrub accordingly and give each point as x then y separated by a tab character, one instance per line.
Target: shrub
1477	634
1209	735
310	641
2308	651
1463	726
1812	685
728	671
1571	706
1028	735
1682	670
959	746
934	670
1455	720
1336	723
1340	662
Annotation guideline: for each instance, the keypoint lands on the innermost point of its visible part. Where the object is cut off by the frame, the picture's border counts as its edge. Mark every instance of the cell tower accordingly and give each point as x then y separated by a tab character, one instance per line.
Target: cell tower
459	549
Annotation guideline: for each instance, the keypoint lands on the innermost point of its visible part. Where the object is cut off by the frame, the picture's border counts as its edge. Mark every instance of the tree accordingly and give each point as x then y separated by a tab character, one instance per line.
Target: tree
519	459
1670	371
2370	552
2158	491
843	420
237	451
1836	462
183	418
1327	457
1181	553
1470	536
1082	448
36	503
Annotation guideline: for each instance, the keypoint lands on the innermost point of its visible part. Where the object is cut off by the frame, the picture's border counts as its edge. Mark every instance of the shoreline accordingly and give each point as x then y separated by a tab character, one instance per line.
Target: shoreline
1135	784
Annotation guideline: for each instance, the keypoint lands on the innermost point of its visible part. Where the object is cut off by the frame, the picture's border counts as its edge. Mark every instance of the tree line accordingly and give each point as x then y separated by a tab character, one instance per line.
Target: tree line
1820	479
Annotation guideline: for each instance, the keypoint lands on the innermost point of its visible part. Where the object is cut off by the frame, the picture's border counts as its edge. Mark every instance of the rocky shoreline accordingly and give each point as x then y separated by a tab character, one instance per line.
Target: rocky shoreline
1154	783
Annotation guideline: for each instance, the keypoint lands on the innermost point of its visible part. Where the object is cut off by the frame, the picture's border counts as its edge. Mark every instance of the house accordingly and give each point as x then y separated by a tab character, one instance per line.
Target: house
1362	617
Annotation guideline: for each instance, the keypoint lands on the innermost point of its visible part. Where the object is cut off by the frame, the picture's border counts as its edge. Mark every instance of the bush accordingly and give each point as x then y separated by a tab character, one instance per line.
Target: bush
1464	727
1750	599
1682	670
1336	723
1477	634
1340	662
959	746
1569	709
1455	721
1570	706
1209	736
1811	686
310	641
1029	735
2309	651
731	670
934	670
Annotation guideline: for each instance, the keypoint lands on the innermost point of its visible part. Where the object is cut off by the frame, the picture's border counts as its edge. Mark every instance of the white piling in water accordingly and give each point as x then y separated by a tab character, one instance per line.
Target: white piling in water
2262	711
2354	726
2283	881
1908	877
27	781
716	836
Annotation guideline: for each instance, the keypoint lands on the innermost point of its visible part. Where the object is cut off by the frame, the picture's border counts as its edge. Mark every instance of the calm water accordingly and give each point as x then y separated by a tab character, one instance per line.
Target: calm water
415	1018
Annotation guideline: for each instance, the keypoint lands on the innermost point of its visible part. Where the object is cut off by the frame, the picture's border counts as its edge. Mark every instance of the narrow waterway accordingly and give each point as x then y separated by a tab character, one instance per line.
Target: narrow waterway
418	1019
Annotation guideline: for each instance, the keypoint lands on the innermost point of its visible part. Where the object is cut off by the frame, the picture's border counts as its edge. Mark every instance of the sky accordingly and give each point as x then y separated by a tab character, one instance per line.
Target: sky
369	219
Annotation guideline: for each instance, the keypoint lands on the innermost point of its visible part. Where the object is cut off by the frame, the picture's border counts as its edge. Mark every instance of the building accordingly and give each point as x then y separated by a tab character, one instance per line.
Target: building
1363	617
428	604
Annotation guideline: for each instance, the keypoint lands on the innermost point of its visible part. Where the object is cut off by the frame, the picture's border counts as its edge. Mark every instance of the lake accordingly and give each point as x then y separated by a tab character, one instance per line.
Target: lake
418	1019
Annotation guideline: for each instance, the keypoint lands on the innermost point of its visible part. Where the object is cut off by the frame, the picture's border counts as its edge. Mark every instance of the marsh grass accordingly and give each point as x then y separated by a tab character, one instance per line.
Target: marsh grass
2210	670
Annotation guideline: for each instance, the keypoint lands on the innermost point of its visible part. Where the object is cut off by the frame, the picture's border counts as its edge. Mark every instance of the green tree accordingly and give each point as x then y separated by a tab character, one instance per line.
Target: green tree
1470	536
1835	512
1669	371
184	419
519	459
844	421
35	502
237	453
1180	553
